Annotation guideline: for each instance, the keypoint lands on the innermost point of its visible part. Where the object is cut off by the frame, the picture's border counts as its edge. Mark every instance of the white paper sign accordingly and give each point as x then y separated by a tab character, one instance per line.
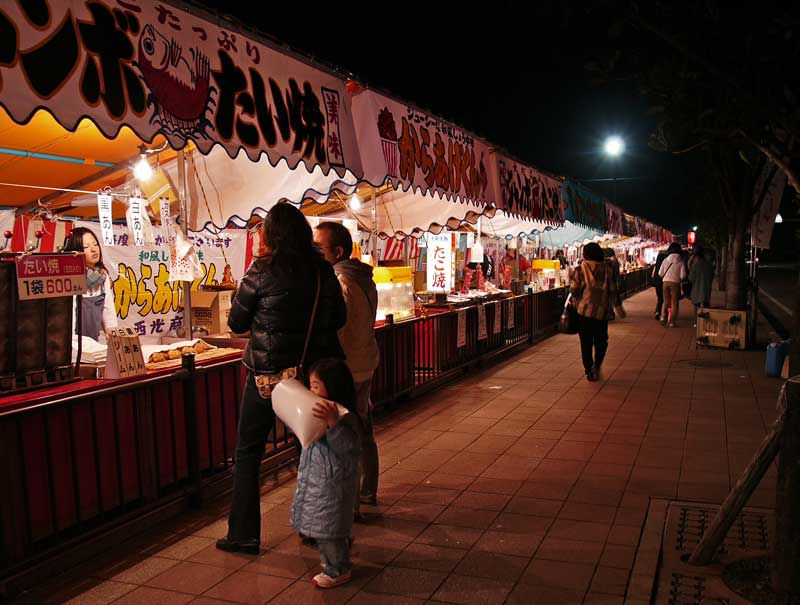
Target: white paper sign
482	334
124	357
104	212
462	329
137	205
166	217
497	319
440	261
510	316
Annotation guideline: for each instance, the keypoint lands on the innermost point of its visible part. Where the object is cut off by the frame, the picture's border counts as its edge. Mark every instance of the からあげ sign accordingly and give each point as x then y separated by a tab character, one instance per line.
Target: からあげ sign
420	151
161	70
527	193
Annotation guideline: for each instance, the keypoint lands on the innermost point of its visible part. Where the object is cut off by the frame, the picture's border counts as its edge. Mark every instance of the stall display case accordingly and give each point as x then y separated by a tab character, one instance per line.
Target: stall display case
395	292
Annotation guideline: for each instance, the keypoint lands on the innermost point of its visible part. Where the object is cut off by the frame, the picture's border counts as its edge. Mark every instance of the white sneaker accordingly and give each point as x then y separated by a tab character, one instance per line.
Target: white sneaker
323	580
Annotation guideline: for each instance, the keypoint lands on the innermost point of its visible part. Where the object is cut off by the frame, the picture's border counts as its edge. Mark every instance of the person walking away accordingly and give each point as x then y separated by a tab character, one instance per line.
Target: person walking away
592	286
274	302
613	261
658	283
673	273
357	338
701	275
327	476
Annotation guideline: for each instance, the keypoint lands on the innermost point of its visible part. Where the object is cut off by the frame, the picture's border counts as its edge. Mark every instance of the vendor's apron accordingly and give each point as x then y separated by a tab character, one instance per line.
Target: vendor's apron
92	315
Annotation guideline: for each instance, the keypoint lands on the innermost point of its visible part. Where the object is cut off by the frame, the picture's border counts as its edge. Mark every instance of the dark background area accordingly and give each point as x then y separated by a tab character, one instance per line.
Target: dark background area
510	72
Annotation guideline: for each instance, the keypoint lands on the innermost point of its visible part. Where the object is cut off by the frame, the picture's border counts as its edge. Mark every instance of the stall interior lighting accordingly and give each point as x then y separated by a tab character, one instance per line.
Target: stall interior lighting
142	171
355	203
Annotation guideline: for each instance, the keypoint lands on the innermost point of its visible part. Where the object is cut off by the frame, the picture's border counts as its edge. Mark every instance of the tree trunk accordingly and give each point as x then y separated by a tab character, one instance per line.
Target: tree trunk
786	551
722	267
735	278
794	355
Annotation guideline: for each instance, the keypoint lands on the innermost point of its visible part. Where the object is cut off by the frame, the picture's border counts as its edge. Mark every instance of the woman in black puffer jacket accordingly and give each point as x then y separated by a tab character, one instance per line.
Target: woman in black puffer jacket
274	303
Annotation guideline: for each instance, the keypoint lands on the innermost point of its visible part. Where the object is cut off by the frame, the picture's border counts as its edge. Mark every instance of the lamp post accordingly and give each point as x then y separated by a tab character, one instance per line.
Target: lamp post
614	147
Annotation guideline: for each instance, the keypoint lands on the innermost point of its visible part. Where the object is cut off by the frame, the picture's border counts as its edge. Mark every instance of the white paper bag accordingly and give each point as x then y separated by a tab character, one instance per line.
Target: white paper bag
293	403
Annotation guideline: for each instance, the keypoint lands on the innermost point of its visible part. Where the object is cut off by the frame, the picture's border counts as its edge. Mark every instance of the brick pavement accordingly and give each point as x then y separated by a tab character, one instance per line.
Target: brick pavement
523	483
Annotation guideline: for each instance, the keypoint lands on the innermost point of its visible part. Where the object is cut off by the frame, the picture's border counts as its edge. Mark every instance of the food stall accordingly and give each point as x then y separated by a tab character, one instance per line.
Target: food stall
167	133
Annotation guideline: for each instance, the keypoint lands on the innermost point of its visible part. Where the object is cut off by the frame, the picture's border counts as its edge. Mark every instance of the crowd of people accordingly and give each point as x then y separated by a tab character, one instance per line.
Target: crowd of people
309	309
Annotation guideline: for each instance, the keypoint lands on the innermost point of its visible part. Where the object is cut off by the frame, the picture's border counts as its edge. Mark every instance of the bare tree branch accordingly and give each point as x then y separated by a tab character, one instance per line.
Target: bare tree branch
790	173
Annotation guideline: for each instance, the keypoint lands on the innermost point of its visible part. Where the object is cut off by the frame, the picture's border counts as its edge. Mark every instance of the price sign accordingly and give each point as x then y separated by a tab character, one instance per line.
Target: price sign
124	357
461	339
510	316
482	333
50	275
498	322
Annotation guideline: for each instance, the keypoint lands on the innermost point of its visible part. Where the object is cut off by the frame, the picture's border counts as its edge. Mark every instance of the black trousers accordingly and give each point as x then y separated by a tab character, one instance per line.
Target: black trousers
594	340
659	285
256	420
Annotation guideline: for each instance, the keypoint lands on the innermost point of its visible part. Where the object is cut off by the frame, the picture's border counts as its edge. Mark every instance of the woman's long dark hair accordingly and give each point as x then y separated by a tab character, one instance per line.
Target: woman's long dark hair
288	239
74	243
338	381
674	248
593	251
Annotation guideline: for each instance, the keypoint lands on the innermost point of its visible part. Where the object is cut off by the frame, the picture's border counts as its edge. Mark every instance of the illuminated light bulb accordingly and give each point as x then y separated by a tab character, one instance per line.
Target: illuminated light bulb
355	203
142	171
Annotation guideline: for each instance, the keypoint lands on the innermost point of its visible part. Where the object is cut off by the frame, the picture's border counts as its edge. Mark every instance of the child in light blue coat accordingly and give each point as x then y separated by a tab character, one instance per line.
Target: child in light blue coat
328	474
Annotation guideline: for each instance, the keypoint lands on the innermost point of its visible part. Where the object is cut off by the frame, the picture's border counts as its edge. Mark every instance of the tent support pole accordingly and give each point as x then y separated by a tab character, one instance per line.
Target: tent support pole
184	205
374	227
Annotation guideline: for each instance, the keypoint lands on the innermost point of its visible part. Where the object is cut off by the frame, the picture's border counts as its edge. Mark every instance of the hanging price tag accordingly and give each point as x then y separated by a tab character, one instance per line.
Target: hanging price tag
50	275
510	315
498	321
137	226
461	340
104	212
482	335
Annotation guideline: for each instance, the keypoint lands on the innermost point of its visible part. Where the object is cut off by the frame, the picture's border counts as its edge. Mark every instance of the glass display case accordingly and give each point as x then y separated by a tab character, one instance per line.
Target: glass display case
395	292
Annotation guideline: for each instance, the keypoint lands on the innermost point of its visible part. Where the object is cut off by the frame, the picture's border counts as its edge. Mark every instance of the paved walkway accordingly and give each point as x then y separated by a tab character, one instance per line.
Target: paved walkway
523	483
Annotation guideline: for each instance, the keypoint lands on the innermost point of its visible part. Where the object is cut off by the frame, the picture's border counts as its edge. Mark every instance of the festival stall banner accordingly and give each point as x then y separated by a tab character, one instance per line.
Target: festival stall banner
583	206
615	219
144	298
158	69
629	225
527	193
420	151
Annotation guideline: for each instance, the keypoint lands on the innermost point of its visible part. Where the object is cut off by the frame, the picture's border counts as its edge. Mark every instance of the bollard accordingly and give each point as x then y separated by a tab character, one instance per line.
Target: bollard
194	487
786	552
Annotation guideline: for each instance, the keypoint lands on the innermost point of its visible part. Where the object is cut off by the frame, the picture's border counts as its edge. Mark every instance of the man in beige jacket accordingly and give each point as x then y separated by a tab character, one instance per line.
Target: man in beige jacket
357	337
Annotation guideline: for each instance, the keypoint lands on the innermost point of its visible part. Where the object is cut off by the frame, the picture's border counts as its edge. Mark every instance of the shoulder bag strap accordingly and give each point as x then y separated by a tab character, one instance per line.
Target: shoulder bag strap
311	321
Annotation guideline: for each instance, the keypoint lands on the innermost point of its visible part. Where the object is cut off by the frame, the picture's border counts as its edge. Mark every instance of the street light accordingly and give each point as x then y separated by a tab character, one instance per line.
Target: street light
778	219
614	147
694	228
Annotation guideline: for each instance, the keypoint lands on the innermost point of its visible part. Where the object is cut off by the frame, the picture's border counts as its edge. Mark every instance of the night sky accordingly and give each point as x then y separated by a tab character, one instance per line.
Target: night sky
515	76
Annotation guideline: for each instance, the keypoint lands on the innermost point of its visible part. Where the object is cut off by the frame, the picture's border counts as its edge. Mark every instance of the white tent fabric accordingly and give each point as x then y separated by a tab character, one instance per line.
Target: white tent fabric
238	189
405	213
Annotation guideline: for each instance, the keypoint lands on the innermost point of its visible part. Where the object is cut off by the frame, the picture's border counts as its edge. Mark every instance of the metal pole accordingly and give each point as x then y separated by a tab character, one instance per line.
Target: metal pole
374	227
184	205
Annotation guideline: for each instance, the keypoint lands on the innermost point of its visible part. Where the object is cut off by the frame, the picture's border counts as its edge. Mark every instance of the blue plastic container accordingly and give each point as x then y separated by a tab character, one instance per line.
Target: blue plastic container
776	354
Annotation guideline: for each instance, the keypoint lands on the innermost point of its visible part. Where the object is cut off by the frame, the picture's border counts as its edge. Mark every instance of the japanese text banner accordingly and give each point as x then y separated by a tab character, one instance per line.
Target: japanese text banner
162	70
144	298
584	207
418	150
615	219
527	193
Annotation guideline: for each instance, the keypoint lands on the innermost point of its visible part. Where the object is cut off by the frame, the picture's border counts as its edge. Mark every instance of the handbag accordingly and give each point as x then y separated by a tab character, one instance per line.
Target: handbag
265	382
568	323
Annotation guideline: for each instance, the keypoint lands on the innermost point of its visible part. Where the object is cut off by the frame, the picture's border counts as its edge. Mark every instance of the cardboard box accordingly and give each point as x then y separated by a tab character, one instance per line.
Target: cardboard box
210	310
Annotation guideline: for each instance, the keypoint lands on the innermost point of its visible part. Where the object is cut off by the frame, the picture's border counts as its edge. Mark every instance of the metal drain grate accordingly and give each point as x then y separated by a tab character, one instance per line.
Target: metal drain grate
686	590
750	531
704	363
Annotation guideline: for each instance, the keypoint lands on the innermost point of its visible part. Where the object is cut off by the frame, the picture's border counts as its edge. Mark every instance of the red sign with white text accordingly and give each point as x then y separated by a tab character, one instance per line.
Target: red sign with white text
50	275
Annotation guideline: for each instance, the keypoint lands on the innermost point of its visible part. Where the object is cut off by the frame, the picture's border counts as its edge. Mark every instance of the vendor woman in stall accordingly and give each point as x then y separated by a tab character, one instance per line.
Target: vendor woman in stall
97	305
